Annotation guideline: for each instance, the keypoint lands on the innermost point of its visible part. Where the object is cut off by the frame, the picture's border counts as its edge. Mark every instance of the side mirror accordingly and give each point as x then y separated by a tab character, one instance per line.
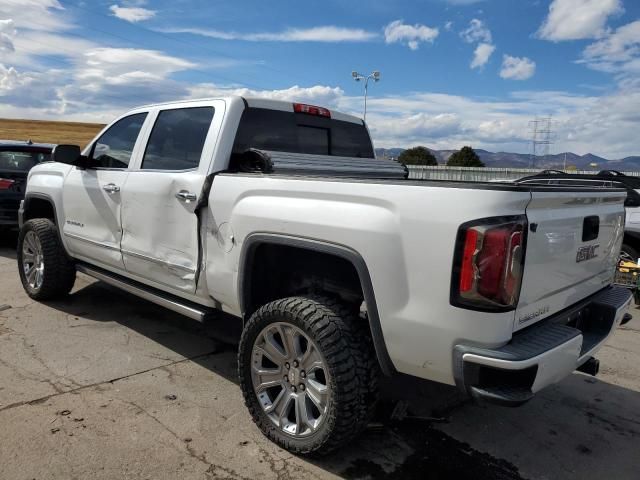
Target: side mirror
69	154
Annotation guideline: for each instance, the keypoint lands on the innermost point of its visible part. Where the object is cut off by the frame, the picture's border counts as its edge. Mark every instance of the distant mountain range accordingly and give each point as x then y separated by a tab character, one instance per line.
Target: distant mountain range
523	160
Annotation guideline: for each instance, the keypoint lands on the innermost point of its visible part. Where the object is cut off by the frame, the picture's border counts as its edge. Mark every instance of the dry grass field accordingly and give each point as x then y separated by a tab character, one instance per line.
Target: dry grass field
74	133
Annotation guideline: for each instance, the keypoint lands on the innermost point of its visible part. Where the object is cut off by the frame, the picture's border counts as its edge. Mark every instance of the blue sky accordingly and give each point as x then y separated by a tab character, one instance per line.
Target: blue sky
454	72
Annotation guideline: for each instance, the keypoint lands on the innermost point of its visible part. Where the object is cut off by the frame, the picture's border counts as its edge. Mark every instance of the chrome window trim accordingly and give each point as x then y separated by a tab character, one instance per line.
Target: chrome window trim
105	168
157	170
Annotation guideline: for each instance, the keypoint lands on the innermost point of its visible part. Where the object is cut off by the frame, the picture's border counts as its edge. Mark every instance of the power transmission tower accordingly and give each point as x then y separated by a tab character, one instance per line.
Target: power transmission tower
541	138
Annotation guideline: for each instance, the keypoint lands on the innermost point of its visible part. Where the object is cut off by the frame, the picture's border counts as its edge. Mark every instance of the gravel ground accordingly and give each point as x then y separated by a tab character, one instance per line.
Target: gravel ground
105	385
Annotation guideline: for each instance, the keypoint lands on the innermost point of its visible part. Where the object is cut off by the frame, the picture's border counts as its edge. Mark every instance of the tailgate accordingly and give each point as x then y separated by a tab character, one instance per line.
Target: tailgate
572	248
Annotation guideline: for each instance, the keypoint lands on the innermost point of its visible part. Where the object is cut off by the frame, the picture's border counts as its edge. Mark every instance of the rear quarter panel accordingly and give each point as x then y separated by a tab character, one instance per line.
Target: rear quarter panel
404	232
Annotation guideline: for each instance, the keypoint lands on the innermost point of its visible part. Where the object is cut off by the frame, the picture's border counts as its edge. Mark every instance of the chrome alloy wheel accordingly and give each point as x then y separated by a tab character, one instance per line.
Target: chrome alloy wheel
32	260
290	379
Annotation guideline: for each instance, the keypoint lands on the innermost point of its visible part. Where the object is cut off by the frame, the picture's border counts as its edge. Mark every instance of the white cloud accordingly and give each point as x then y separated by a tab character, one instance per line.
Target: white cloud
100	83
476	32
582	124
328	33
122	61
578	19
39	29
7	32
132	14
25	14
411	35
419	127
29	90
36	43
317	94
8	78
618	52
123	77
108	83
517	68
134	3
448	26
482	54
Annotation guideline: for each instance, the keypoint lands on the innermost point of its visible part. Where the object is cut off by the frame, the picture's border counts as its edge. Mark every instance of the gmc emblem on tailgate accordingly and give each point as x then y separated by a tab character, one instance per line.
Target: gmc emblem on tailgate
586	253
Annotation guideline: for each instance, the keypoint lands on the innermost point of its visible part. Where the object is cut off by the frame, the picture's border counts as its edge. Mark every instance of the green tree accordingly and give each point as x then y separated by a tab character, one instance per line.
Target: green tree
465	157
417	156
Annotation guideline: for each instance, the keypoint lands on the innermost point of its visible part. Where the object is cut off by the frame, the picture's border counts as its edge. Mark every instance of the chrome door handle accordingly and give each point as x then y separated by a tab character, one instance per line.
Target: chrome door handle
186	196
111	188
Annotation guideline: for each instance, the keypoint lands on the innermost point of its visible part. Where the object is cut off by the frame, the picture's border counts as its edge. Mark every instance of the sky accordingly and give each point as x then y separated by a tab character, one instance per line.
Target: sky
453	72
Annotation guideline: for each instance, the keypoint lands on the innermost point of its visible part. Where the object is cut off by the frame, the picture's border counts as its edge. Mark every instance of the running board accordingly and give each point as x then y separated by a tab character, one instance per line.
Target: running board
175	304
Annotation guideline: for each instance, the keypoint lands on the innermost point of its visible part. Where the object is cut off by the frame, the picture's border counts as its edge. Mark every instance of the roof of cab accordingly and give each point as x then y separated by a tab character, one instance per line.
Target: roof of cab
261	102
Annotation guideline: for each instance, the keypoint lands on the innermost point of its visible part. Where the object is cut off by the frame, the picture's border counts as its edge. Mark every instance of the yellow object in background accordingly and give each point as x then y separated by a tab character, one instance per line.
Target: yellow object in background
628	265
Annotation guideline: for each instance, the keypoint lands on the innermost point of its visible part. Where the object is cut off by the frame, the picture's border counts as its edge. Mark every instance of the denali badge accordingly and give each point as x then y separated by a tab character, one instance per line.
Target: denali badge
531	315
586	253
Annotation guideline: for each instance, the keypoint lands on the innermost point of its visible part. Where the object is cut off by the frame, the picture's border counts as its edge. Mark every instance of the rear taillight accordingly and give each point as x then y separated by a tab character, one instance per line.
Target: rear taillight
488	263
311	110
5	183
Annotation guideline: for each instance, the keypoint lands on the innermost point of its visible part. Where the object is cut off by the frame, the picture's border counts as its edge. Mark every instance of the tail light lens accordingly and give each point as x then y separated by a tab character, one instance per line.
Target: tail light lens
488	264
5	183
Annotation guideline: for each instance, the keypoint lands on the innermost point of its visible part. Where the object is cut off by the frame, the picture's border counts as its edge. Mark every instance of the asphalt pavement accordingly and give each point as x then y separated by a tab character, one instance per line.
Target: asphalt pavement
104	385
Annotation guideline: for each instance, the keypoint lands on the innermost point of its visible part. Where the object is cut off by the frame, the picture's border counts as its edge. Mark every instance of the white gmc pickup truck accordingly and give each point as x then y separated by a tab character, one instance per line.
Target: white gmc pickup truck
340	268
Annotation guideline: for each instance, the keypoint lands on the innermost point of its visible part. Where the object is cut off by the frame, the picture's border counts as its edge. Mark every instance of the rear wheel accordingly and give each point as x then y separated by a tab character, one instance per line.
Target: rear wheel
45	269
306	374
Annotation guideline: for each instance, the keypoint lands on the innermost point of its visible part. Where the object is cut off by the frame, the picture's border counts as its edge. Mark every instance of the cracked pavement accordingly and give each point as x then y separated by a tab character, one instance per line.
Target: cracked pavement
104	385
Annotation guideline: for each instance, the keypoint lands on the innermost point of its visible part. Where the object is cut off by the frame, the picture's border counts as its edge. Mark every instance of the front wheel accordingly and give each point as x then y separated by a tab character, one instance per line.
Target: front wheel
304	373
45	270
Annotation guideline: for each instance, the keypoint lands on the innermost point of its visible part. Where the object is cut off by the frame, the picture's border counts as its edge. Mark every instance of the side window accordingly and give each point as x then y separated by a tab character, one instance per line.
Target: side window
113	149
177	139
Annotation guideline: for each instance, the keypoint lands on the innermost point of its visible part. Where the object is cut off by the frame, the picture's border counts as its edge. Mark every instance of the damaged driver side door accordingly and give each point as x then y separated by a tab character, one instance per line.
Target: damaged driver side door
159	223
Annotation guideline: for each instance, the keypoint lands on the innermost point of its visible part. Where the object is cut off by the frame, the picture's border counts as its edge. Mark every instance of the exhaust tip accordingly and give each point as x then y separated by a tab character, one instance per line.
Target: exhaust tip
590	367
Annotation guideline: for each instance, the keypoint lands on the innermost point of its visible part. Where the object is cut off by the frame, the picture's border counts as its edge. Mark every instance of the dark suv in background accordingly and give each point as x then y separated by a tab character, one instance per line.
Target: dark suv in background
16	159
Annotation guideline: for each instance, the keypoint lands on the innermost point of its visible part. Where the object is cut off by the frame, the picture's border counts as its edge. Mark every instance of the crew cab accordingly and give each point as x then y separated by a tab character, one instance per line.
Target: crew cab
340	267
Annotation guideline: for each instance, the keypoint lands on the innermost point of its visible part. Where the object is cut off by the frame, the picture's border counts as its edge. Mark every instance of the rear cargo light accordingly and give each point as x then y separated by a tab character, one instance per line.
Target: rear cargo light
488	263
5	183
311	110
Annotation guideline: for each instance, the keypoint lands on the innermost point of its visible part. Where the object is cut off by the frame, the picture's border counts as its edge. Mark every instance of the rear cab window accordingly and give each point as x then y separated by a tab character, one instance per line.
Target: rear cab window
293	132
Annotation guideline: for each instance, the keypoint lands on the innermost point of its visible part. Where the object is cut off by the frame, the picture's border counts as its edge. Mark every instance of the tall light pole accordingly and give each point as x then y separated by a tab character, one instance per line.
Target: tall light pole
358	76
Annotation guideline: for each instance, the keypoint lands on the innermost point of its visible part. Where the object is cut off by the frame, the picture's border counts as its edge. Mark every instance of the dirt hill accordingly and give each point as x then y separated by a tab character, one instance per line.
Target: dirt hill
44	131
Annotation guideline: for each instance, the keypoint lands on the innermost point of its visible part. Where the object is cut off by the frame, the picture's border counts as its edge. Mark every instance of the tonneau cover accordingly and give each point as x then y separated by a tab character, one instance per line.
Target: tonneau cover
323	165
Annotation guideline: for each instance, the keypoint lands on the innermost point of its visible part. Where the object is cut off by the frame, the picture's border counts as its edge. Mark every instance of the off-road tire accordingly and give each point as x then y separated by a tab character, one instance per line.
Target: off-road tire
628	252
344	343
59	271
